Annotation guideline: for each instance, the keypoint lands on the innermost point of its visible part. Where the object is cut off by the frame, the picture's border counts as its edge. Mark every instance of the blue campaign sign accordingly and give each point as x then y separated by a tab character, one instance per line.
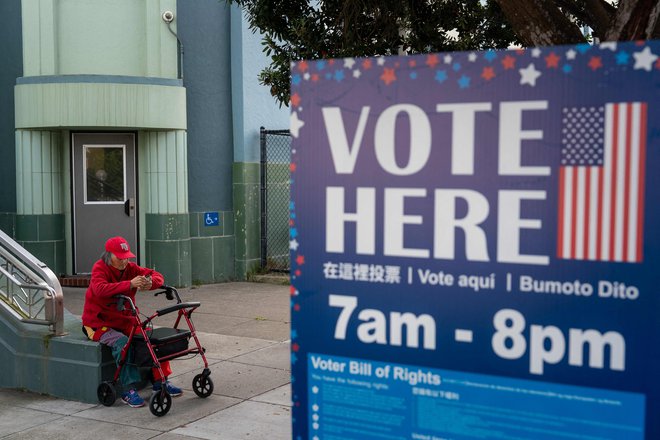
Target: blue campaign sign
211	219
475	240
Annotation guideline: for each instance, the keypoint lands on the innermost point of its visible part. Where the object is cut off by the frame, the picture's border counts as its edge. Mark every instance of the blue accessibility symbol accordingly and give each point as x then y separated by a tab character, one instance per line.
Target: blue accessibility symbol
211	219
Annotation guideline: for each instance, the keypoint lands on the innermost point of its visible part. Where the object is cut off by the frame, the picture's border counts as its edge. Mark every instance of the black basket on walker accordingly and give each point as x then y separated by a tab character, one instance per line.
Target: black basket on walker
165	341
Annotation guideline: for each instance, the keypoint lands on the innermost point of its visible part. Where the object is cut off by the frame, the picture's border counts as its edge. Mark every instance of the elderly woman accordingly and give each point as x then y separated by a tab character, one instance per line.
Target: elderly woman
112	275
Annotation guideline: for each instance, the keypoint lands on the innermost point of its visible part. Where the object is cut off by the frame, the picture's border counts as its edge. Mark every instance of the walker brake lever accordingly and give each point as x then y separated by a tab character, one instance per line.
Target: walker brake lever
167	292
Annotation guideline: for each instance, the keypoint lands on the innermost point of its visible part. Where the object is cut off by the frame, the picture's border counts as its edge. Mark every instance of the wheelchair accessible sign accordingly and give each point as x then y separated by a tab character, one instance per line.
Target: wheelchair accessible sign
475	239
211	219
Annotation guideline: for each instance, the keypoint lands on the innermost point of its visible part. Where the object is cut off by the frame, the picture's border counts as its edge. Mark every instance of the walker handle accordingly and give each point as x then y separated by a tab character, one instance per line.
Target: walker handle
168	290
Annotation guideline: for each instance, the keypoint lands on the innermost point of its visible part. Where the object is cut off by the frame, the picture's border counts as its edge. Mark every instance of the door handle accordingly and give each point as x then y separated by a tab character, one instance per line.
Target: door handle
129	207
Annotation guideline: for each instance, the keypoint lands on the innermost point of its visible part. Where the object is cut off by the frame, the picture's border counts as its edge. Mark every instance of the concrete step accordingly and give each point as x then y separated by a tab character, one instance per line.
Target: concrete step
35	360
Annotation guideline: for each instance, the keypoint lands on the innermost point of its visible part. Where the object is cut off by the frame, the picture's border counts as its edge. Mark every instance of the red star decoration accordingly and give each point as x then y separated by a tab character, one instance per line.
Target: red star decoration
432	61
296	307
552	61
640	42
295	99
292	290
331	62
388	76
488	73
509	62
298	272
366	64
595	63
520	51
300	260
292	167
303	66
412	63
295	347
315	77
657	63
291	223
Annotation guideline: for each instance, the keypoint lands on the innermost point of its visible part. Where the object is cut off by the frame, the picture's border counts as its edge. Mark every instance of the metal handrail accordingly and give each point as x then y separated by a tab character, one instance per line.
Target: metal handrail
29	289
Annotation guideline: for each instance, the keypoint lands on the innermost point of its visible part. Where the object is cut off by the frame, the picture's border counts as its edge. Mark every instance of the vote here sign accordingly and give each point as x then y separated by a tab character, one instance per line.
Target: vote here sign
475	245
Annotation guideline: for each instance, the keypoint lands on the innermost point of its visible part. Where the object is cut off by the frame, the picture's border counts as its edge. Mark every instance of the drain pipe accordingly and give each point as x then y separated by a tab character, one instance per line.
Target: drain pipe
168	17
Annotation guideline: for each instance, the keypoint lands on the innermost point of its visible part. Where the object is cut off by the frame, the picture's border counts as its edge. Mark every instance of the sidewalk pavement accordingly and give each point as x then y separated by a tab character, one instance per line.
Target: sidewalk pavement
245	329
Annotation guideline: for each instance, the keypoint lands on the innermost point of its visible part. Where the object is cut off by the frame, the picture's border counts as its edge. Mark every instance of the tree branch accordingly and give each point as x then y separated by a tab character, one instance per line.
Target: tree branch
540	23
599	16
635	20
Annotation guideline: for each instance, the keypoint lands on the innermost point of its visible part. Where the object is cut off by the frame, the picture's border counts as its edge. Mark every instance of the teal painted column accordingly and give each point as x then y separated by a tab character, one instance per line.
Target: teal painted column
164	201
252	107
39	196
247	223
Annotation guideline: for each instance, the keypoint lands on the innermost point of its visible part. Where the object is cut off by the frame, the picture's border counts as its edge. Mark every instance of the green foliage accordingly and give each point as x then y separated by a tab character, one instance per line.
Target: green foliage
299	29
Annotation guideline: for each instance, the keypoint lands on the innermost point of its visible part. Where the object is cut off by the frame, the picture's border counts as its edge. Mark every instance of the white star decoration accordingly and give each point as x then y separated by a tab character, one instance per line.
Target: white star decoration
570	54
349	62
528	75
293	245
306	76
472	57
611	45
380	61
356	73
447	59
536	52
644	59
296	124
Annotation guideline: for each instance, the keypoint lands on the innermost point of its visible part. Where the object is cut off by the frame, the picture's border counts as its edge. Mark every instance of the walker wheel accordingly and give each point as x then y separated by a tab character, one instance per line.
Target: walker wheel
160	403
106	393
202	386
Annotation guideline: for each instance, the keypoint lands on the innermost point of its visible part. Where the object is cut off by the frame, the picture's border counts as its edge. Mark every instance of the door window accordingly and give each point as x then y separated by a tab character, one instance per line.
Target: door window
104	171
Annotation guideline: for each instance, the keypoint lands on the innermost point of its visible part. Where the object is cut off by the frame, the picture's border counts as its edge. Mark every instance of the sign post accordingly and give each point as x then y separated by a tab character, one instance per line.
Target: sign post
475	244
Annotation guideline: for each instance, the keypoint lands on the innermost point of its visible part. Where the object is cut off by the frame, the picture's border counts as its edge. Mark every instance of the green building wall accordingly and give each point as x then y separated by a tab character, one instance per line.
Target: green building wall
114	66
12	67
101	66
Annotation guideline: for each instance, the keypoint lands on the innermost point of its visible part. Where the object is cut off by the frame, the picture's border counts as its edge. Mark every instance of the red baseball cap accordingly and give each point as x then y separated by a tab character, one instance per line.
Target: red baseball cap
119	247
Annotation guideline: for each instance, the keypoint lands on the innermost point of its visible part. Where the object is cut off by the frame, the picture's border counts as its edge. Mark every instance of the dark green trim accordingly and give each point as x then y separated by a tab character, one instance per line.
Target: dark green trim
167	226
212	259
8	223
247	216
168	248
43	236
212	248
199	229
172	259
40	227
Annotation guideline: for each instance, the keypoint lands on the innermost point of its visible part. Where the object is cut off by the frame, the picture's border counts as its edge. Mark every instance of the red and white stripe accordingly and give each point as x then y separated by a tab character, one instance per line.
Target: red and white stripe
601	208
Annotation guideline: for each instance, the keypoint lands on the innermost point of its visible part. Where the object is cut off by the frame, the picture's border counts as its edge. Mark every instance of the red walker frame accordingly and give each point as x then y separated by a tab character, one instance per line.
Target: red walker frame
160	401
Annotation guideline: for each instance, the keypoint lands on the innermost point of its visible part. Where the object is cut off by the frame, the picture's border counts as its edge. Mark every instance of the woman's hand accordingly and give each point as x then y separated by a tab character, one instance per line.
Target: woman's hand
147	283
141	282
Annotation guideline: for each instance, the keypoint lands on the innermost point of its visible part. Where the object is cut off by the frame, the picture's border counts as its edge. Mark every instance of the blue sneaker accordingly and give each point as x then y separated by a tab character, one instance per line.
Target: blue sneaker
171	389
132	398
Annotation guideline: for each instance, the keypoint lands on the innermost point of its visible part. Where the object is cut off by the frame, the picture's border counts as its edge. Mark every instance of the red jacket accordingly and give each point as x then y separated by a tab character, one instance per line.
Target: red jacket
100	308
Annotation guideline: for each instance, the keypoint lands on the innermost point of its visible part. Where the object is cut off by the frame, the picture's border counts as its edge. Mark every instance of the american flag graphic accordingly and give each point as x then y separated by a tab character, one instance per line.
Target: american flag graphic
601	183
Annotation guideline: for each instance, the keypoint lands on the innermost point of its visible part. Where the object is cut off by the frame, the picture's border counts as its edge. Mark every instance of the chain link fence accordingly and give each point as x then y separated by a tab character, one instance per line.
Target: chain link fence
275	198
